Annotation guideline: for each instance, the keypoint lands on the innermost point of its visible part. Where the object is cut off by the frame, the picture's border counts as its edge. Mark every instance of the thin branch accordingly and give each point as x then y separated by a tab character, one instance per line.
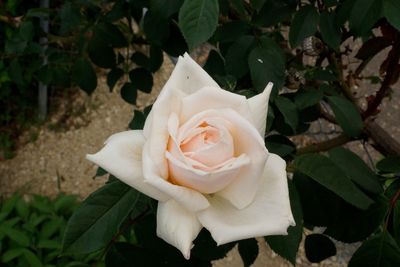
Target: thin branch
325	145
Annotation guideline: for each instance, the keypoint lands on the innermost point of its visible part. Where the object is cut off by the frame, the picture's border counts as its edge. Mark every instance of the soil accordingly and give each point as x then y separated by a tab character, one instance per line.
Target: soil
55	162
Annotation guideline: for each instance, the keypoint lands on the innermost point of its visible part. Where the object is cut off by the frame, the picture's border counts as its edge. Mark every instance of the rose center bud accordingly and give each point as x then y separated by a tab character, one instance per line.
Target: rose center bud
208	145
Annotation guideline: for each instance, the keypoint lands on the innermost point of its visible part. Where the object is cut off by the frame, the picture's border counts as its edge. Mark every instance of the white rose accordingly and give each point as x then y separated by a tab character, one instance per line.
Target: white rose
202	155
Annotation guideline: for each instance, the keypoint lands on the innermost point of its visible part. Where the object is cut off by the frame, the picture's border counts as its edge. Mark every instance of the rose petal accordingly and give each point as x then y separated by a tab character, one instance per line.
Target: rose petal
259	108
177	226
204	181
122	157
268	214
190	199
186	78
213	98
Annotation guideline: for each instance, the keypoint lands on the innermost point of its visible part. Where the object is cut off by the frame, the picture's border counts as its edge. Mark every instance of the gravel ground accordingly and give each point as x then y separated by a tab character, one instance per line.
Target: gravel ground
56	162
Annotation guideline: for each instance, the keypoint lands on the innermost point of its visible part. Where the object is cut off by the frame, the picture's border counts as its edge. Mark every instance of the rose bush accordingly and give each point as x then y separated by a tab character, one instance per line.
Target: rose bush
202	155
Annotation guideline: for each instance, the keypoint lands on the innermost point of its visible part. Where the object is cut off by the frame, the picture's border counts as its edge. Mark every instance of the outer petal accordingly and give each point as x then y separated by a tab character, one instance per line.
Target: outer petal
177	226
259	108
214	98
269	214
190	199
122	157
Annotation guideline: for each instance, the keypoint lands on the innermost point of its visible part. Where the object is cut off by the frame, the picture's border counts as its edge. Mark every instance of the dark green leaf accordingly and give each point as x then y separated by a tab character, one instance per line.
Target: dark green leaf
325	172
319	247
343	11
137	121
372	47
70	17
141	79
99	217
113	77
51	227
236	56
84	76
11	254
288	110
65	202
156	58
364	14
279	144
257	4
391	10
215	64
307	97
330	32
26	30
198	20
346	115
396	221
175	45
32	259
379	251
22	209
267	64
356	169
100	53
49	244
206	248
248	250
15	234
390	164
231	31
287	246
274	12
156	29
164	10
110	35
304	24
129	93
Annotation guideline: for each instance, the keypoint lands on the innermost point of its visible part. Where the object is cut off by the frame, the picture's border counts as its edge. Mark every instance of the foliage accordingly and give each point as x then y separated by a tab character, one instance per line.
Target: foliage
31	231
252	43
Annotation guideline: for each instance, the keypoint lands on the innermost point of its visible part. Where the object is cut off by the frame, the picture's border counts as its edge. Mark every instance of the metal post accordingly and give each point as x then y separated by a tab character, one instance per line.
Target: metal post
42	97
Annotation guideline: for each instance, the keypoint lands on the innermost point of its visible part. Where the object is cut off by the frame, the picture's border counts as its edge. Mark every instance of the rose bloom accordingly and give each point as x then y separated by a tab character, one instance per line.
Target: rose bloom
202	155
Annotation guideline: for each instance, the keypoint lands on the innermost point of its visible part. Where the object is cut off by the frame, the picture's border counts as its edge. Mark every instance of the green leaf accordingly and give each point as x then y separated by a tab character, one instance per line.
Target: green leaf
364	14
288	110
99	217
11	254
175	45
319	247
279	144
324	171
356	169
379	251
390	164
287	246
16	235
129	93
160	9
64	202
49	244
156	58
101	54
257	4
346	115
26	30
330	32
137	121
236	56
267	64
198	20
110	35
156	29
248	250
22	209
84	76
391	10
215	64
70	17
51	227
206	248
141	79
304	24
231	31
32	259
274	12
9	205
307	97
113	77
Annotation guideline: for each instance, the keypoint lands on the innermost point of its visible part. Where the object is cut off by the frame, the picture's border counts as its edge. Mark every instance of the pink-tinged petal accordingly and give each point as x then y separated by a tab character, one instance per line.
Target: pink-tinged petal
213	98
205	181
122	157
268	214
190	199
177	226
186	78
259	108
